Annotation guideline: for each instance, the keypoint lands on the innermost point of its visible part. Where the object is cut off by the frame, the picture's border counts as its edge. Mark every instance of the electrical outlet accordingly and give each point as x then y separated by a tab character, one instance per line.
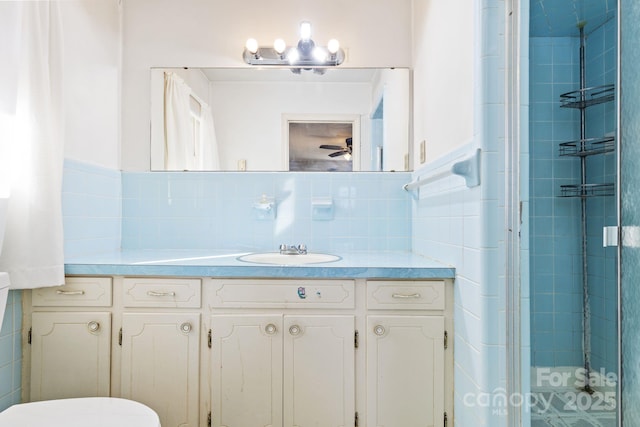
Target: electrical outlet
242	165
423	152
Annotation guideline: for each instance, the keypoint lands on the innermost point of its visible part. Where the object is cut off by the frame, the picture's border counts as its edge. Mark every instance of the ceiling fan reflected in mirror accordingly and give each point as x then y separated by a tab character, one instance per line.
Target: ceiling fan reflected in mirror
345	151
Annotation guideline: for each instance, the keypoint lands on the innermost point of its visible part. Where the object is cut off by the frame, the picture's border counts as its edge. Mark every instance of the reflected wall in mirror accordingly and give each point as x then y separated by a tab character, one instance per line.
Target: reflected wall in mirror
239	118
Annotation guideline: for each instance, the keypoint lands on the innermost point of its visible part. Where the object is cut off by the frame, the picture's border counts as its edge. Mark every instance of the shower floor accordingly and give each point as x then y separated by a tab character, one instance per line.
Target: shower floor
570	408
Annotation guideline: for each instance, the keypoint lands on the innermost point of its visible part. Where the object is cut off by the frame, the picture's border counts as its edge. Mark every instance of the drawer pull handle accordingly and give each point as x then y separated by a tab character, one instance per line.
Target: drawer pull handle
93	326
61	292
379	330
294	330
161	294
406	296
186	327
270	329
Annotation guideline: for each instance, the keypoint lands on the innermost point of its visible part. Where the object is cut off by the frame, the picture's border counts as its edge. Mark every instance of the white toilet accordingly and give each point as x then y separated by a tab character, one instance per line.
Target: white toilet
80	412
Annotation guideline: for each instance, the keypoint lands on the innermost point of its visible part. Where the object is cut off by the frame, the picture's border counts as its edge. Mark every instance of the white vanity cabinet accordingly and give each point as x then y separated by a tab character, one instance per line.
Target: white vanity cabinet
248	352
160	344
246	370
406	348
288	367
70	339
282	370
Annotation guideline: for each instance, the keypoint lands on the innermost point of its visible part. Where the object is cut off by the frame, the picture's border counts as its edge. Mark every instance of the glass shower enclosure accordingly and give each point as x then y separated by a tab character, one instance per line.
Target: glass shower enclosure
573	167
629	200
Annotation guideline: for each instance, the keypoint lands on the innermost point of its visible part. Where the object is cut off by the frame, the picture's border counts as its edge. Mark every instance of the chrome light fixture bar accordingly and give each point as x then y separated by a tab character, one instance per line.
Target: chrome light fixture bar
305	55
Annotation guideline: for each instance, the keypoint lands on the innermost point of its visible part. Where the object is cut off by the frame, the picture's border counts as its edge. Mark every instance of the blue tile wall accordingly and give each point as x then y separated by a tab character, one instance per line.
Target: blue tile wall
11	352
91	206
214	211
556	255
555	285
601	69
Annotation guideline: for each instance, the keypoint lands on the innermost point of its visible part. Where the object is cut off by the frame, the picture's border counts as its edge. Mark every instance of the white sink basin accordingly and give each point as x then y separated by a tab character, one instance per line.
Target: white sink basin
277	258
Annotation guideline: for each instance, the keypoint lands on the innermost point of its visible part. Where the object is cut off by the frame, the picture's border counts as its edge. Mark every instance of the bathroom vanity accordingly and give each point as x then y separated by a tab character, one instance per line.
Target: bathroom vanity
324	348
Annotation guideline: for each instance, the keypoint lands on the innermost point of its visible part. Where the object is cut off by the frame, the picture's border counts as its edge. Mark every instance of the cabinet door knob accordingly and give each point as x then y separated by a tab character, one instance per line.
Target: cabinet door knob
270	329
379	330
294	329
186	327
93	326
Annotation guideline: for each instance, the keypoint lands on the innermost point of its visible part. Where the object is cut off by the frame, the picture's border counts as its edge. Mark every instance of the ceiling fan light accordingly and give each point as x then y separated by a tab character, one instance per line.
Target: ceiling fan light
347	156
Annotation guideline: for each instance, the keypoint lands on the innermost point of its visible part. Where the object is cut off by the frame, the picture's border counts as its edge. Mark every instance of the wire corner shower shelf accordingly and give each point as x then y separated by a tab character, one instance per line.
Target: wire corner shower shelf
582	148
588	96
582	99
587	190
588	146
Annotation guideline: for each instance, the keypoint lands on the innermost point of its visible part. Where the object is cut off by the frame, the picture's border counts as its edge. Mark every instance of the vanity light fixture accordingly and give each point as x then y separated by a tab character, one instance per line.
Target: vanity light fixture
306	55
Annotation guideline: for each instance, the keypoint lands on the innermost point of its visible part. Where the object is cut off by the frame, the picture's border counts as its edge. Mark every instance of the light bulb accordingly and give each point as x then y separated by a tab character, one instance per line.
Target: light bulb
252	46
279	46
293	56
319	54
347	156
333	46
305	30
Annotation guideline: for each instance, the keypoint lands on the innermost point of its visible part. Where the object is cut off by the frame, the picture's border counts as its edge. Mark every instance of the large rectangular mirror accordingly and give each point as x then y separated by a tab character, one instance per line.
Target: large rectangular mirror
274	120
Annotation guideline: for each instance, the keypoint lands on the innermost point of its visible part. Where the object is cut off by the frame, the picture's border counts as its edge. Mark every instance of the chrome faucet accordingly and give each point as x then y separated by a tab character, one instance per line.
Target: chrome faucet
300	249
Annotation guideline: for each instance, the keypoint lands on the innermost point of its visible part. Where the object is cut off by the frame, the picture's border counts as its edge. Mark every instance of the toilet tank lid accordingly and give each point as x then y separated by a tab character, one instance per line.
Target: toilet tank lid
4	280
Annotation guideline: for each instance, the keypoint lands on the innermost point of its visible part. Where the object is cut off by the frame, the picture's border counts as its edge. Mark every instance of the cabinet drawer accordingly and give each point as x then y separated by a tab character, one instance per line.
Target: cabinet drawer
283	293
406	295
165	292
76	292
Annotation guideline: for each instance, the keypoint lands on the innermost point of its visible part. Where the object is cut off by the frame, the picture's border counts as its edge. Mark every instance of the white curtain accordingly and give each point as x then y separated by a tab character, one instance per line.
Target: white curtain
31	146
210	158
178	127
190	138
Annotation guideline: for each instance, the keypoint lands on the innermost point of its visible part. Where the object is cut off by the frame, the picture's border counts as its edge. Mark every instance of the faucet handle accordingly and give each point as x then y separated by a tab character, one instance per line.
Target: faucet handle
283	247
302	248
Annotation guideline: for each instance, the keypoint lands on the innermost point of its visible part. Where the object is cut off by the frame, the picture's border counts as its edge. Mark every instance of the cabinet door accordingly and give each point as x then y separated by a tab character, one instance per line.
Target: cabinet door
405	371
160	364
70	345
246	386
319	371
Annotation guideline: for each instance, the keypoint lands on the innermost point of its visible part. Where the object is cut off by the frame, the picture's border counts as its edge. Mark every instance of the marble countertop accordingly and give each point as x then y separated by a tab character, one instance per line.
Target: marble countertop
220	263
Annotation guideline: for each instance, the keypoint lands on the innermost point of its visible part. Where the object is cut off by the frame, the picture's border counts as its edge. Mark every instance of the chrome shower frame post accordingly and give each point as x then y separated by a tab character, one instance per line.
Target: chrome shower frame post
513	209
620	401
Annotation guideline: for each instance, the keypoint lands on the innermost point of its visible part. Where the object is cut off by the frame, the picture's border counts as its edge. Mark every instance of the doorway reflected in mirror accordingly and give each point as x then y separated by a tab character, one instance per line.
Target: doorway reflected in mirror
321	146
